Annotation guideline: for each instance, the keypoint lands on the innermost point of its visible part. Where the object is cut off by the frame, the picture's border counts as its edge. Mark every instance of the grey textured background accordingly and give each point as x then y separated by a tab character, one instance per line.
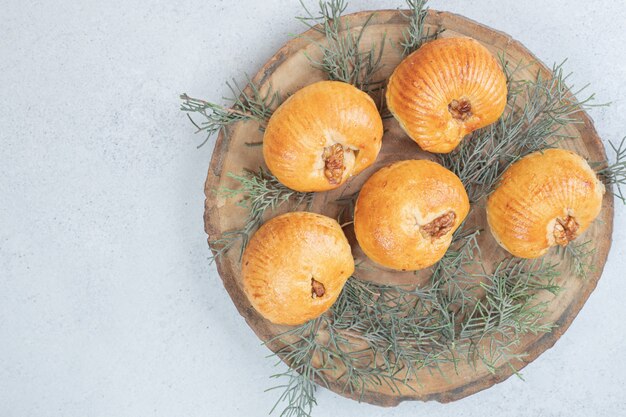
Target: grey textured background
108	306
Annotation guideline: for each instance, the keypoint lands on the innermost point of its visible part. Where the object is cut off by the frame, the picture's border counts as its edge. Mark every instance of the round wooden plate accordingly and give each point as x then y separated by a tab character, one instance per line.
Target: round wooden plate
289	70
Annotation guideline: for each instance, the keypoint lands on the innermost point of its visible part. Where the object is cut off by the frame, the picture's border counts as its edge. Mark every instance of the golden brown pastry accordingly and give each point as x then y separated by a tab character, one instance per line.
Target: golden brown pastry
322	135
295	266
446	89
546	198
406	213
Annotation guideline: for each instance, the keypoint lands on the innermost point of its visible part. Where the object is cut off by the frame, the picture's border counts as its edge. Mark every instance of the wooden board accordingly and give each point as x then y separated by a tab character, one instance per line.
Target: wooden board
289	70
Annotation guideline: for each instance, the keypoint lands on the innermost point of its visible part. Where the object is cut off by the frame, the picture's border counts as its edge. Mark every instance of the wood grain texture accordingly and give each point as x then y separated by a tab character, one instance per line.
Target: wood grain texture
287	71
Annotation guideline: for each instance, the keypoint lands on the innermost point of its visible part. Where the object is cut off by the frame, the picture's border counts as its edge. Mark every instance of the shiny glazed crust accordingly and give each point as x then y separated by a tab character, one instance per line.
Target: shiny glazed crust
534	192
316	117
283	257
425	83
395	205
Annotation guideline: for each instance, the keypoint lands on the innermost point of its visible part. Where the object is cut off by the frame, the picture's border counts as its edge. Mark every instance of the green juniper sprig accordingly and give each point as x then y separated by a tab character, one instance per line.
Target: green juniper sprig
313	351
416	34
259	191
508	311
299	390
342	58
615	173
253	105
580	256
380	334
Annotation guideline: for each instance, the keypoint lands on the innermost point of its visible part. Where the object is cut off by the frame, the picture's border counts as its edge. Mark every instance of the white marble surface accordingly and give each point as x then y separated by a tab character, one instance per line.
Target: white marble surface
108	306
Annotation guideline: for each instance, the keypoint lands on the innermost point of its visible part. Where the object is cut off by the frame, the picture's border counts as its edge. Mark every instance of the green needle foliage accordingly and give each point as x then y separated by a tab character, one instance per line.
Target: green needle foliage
341	56
259	191
579	256
379	334
244	105
615	173
416	34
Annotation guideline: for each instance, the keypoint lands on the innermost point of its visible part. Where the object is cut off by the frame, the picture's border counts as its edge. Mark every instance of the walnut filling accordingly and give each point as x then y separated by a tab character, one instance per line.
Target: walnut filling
440	226
565	230
460	109
317	288
333	163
